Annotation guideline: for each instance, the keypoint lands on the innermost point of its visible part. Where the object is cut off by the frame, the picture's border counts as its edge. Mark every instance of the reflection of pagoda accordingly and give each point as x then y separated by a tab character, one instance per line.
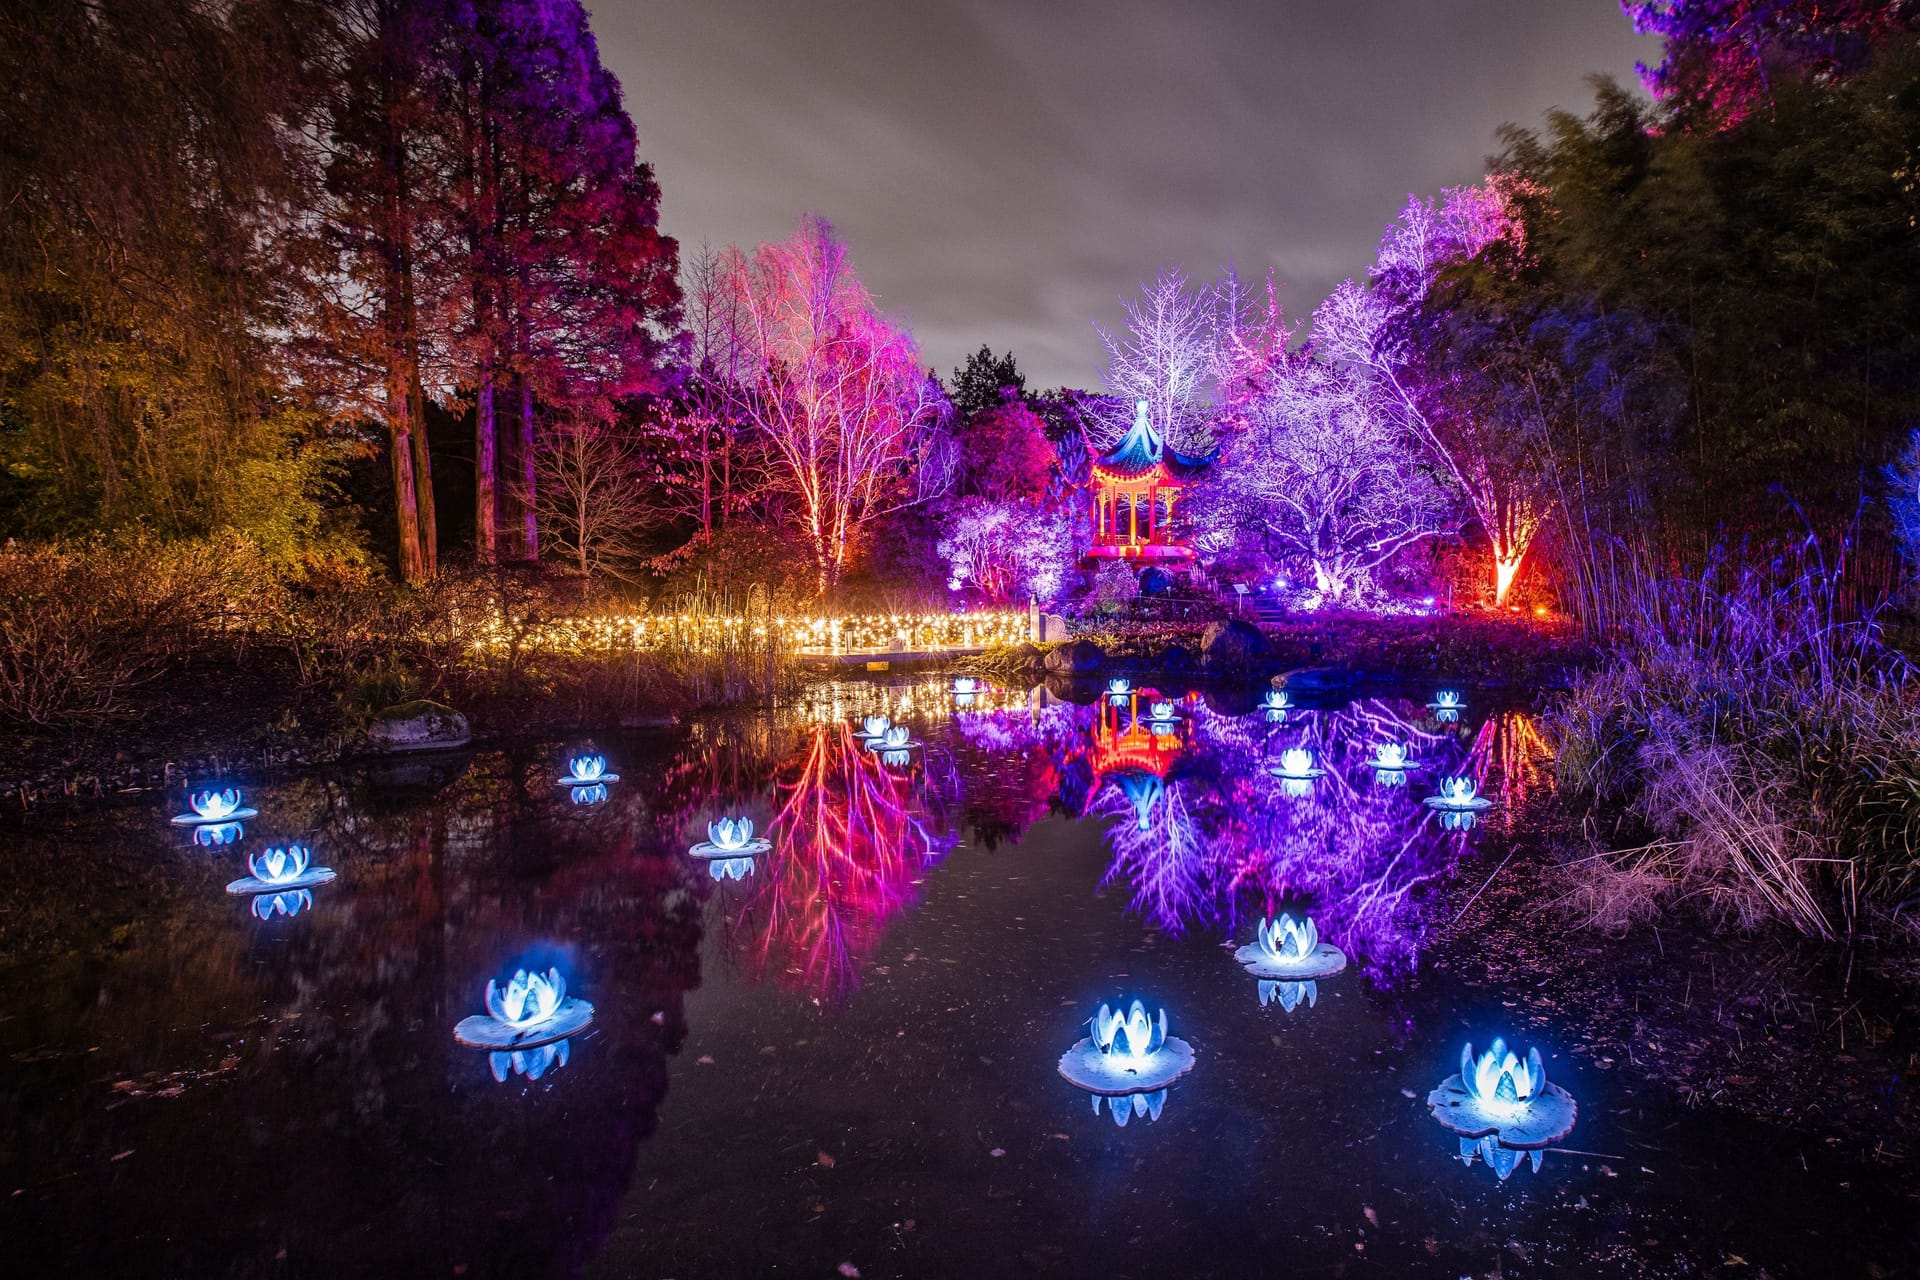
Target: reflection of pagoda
1135	484
1130	754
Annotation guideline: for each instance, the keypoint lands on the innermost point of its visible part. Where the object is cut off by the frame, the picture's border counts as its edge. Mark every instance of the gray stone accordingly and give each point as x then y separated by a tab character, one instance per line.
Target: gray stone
418	726
1077	657
1232	645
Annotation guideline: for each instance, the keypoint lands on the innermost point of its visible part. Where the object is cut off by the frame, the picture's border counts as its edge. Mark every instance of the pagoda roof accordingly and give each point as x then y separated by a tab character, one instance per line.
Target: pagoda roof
1142	452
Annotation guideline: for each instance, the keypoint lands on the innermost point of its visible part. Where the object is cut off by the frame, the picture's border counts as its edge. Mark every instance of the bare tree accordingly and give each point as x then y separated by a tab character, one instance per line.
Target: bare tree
591	499
1167	355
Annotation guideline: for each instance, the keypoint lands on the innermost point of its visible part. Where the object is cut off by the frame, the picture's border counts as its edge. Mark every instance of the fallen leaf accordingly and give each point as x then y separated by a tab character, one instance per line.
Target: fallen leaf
824	1160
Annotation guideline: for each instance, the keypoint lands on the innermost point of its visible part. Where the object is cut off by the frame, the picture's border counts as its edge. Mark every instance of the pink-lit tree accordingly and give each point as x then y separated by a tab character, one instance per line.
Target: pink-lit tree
1484	450
855	425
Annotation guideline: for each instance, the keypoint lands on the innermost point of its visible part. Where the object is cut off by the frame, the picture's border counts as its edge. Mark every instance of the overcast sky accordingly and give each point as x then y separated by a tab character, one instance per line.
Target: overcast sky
1005	170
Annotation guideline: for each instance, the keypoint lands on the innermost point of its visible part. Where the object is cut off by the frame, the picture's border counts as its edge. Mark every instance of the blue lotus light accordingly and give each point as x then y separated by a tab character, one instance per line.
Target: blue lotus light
530	1063
730	868
588	796
281	870
532	1009
214	806
587	771
1501	1095
1288	995
1119	691
266	906
1290	950
730	840
896	746
1459	795
217	835
1276	704
1447	706
966	690
1391	761
1296	770
874	728
1127	1052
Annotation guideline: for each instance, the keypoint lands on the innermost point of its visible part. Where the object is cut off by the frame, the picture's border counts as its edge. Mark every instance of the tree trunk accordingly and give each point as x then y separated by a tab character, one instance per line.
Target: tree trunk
400	431
485	473
529	521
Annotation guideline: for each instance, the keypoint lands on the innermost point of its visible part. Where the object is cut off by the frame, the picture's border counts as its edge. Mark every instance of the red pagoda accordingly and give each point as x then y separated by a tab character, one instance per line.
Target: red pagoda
1135	484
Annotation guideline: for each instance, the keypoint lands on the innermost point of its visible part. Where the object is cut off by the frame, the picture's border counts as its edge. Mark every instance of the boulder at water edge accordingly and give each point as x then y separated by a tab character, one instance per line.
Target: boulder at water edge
1077	657
1232	646
418	726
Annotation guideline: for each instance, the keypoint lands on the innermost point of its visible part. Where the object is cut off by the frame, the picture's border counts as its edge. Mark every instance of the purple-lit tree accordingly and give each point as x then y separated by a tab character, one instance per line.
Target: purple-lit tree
1377	328
1721	58
1319	472
1167	355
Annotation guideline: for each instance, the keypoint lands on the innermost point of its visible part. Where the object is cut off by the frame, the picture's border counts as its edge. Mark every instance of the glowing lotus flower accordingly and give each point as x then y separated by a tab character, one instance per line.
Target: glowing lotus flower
1296	763
587	771
1390	755
1447	700
730	868
1288	939
215	835
528	999
1129	1035
280	866
532	1009
965	685
1130	1106
1162	712
874	727
1499	1078
265	906
1499	1094
896	738
1459	795
1127	1052
1277	700
1119	690
730	835
595	794
1502	1160
531	1063
213	806
275	870
1290	950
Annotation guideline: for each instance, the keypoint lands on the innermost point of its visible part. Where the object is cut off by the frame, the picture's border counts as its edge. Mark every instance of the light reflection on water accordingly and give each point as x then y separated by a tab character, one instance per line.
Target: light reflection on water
314	1085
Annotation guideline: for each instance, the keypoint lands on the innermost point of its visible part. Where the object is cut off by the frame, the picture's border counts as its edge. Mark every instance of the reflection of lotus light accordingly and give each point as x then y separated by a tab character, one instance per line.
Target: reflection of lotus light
213	806
1457	819
1446	706
531	1063
874	727
277	869
1502	1160
730	868
965	684
532	1009
1288	994
1460	795
1162	712
1119	691
730	838
266	906
1126	1053
587	771
590	795
1127	1106
215	835
1390	755
1290	950
1296	770
1503	1095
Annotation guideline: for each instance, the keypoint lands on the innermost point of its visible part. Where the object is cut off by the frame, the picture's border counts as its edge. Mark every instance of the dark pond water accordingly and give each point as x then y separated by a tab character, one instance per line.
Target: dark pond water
844	1062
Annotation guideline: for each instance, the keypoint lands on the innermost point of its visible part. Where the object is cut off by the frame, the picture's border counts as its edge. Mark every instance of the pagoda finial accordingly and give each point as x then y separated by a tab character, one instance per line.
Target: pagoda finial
1140	421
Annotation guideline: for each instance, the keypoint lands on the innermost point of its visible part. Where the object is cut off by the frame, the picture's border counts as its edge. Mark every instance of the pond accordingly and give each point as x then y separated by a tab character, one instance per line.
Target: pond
841	1056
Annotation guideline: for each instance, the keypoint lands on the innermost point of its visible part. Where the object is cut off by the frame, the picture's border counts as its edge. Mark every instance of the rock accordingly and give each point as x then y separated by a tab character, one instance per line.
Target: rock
1077	657
1178	658
1029	657
418	726
1232	645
